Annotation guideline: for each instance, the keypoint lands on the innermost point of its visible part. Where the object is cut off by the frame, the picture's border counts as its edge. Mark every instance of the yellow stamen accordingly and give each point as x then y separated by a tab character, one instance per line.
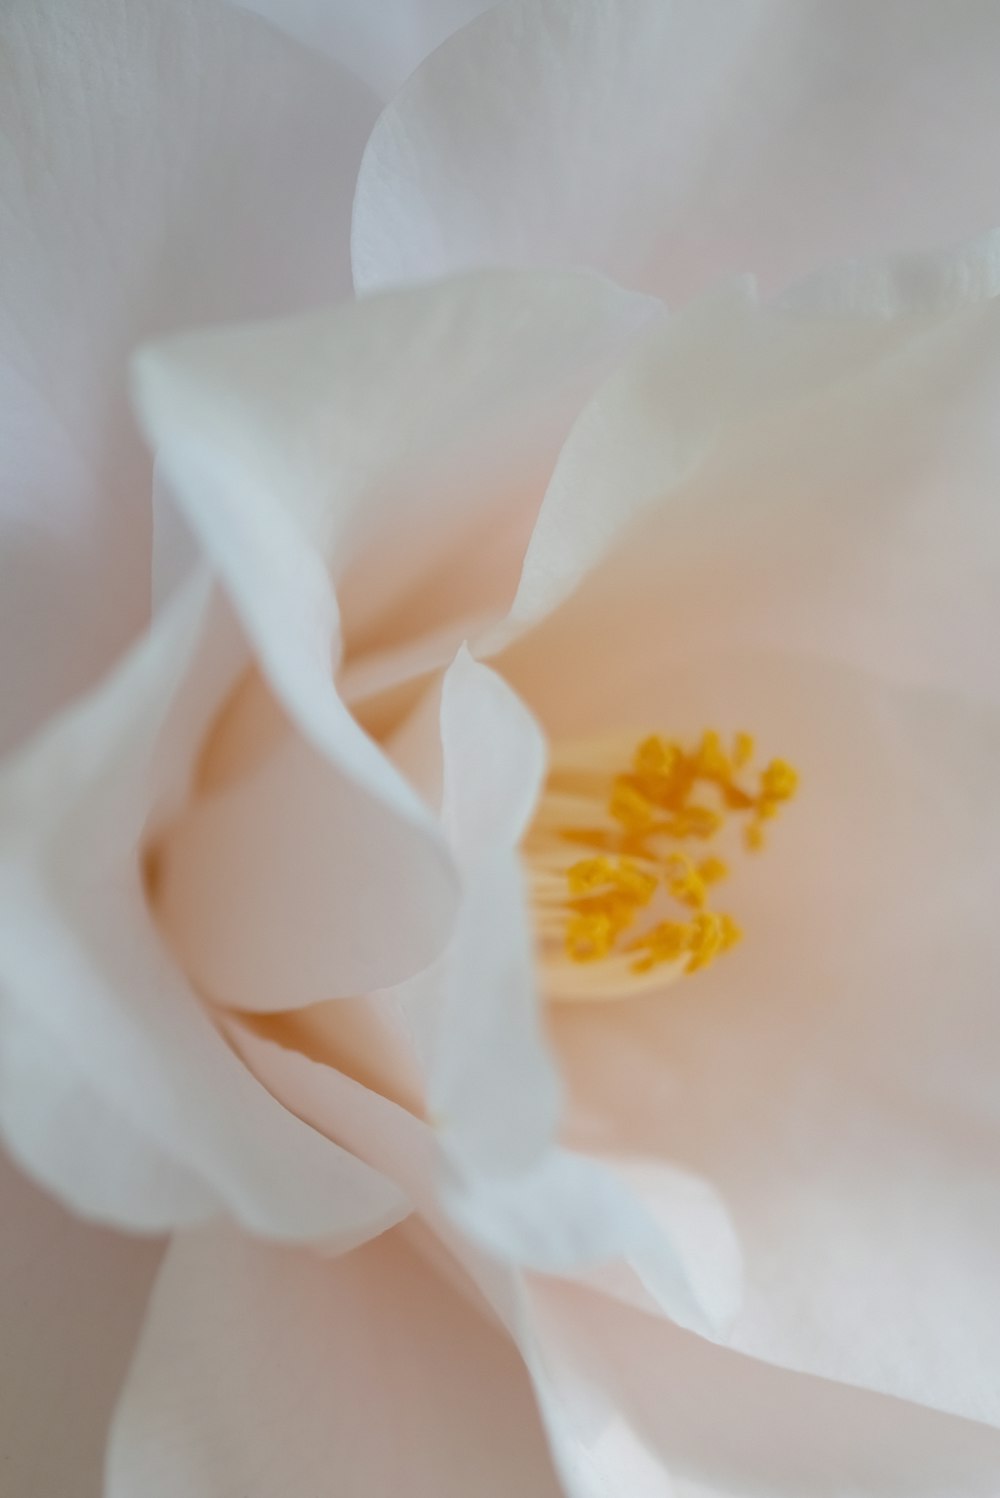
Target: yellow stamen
589	874
634	882
609	908
695	821
630	807
779	781
685	883
731	933
753	837
589	937
711	760
743	750
666	942
655	756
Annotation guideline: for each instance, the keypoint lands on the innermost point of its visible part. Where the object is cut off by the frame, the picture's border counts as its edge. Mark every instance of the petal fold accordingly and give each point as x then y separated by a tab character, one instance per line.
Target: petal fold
121	1093
382	46
671	143
818	485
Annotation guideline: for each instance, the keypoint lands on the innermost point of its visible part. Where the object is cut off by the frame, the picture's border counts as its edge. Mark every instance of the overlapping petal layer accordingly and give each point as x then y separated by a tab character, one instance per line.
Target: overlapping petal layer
163	163
671	142
381	44
261	1370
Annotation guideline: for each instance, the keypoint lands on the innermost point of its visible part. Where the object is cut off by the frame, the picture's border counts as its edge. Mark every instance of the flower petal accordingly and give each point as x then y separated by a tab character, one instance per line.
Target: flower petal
382	430
641	1232
295	884
71	1302
382	46
119	1091
637	1398
331	442
647	428
833	1077
491	1086
324	804
94	1153
494	761
263	1371
671	143
819	484
630	1403
164	162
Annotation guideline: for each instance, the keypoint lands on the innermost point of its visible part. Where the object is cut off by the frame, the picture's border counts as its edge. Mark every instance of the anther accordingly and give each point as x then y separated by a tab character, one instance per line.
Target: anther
611	904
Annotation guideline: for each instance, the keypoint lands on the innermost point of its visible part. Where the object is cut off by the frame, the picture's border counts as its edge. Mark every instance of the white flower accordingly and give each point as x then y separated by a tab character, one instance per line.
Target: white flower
284	937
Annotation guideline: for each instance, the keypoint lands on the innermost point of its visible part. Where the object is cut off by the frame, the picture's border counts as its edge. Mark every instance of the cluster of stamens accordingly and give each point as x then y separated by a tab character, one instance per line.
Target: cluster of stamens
618	885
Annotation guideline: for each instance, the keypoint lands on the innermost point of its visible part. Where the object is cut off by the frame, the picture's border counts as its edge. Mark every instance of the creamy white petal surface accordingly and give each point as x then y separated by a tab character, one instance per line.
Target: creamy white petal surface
833	1077
658	1412
648	1234
841	526
262	1371
102	1029
163	162
382	43
395	414
794	434
671	142
748	517
118	1090
491	1086
796	480
350	441
403	1148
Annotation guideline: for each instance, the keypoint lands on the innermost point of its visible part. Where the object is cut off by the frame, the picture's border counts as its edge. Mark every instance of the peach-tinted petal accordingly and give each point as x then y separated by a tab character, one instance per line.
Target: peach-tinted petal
647	428
597	1452
351	440
824	485
833	1076
671	142
118	1090
648	1399
292	885
491	1085
644	1233
264	1371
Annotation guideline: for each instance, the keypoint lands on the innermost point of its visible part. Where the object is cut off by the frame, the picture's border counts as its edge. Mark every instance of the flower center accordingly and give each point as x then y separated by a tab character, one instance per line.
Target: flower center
623	859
